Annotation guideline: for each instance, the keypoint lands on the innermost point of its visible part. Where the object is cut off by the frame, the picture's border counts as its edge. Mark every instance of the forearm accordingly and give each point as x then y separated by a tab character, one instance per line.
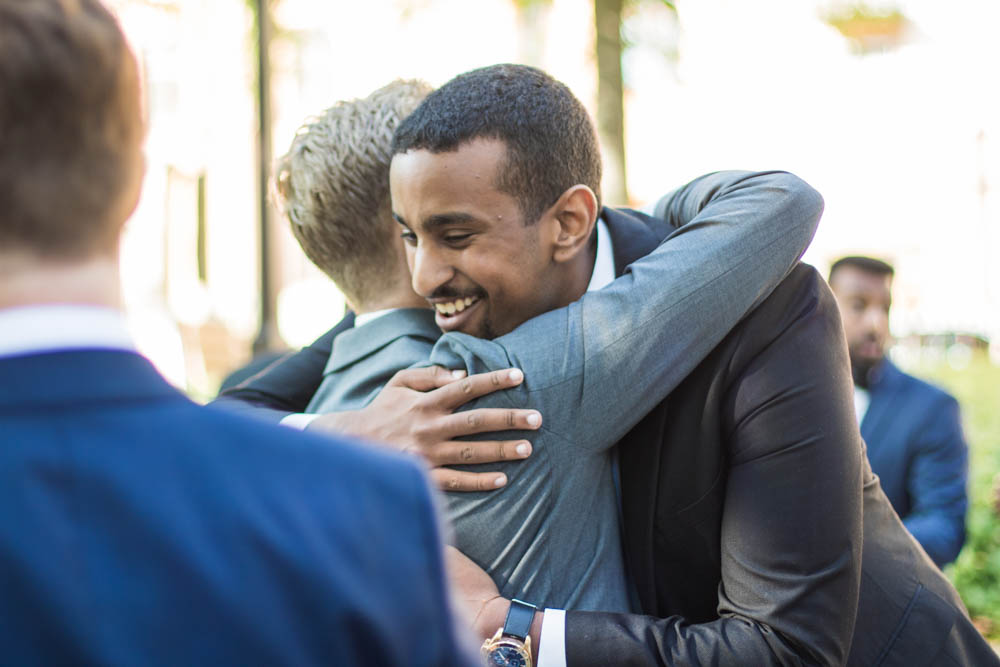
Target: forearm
289	384
286	386
597	639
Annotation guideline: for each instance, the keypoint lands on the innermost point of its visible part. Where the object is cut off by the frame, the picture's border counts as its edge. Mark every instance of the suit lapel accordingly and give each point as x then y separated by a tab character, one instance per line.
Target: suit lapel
878	417
633	235
360	342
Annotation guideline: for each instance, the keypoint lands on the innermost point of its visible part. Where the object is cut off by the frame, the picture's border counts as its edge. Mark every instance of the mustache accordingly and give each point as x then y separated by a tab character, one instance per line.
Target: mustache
445	292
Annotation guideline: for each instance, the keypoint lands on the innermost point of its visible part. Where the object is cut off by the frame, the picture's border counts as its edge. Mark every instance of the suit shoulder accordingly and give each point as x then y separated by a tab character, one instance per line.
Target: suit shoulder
277	447
801	297
928	391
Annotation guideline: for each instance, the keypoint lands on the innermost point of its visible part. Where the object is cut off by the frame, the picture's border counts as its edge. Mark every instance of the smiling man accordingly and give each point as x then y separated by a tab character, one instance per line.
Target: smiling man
742	479
487	268
742	490
485	264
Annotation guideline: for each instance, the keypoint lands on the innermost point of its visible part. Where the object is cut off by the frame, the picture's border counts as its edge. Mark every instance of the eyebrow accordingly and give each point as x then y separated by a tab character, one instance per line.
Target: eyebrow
439	220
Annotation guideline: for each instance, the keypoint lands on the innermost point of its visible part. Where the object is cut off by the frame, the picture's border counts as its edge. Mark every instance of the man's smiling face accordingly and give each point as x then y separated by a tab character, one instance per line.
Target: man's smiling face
469	250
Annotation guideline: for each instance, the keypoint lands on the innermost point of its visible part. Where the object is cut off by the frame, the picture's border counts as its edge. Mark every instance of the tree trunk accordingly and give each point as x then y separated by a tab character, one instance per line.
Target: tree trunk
268	338
610	105
532	25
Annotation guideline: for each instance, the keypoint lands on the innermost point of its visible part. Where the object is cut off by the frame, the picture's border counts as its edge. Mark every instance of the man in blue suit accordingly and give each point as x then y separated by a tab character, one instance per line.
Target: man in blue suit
135	526
913	430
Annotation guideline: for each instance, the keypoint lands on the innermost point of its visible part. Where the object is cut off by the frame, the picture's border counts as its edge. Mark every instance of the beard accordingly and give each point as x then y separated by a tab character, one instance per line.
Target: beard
862	370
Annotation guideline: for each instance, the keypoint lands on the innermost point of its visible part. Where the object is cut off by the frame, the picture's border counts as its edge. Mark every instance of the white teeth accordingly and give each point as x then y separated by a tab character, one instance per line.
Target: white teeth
452	307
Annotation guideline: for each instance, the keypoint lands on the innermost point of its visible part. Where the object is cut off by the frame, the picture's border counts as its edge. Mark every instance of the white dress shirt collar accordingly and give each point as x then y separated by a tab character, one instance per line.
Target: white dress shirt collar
365	318
32	329
604	264
862	399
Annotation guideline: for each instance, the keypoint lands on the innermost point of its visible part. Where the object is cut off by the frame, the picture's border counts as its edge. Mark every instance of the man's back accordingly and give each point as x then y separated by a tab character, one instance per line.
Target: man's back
138	528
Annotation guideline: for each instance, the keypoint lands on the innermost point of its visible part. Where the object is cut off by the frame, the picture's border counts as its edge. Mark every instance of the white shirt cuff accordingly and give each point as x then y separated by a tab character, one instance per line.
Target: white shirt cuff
552	643
297	420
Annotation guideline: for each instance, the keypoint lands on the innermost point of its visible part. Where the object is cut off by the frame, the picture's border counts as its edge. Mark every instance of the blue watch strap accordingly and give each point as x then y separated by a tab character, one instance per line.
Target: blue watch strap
519	619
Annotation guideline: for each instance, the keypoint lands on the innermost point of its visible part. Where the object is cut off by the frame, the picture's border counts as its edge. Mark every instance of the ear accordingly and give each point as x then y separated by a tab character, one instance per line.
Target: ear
574	216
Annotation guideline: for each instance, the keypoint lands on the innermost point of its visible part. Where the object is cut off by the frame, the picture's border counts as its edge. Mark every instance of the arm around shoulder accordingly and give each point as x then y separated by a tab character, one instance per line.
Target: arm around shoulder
790	517
287	385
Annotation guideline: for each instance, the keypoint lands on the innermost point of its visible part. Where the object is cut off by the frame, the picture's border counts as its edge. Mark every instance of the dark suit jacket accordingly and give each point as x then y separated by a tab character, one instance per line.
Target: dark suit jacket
139	528
288	384
742	495
915	444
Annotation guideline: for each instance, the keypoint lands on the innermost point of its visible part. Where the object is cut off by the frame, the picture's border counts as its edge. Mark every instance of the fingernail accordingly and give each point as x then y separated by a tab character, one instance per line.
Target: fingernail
500	481
458	374
516	375
534	419
523	449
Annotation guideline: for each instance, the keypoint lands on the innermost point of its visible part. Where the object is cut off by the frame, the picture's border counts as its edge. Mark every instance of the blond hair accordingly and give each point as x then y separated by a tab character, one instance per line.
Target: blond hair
333	186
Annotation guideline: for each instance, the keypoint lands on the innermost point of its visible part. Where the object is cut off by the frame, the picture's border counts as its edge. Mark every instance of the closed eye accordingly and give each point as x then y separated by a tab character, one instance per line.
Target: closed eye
409	238
457	239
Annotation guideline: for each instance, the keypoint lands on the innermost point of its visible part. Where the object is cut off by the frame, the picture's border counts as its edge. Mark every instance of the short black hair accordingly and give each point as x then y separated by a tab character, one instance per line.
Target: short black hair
550	139
866	264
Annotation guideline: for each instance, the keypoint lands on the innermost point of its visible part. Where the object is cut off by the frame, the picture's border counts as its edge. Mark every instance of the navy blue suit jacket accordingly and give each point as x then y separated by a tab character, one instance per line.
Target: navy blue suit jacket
139	528
916	447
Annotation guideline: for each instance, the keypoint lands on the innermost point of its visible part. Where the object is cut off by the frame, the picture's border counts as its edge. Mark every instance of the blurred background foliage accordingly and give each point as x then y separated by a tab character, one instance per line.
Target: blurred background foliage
976	573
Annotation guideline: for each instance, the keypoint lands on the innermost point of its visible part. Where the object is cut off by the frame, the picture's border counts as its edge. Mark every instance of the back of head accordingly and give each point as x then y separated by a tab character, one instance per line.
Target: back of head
550	140
71	128
334	187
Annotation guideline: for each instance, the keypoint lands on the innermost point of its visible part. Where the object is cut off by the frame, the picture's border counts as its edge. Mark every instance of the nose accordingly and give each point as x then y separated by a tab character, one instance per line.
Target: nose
429	270
877	321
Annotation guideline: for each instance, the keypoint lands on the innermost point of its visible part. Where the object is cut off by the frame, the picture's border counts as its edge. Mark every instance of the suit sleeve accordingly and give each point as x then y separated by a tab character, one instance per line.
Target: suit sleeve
595	367
447	640
791	529
937	484
287	385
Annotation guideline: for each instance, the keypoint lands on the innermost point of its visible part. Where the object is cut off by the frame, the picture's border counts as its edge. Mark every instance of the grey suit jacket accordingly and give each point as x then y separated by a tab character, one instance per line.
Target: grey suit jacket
594	368
365	358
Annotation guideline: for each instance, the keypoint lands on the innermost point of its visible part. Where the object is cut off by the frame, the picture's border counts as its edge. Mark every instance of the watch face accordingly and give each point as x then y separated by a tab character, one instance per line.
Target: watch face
507	656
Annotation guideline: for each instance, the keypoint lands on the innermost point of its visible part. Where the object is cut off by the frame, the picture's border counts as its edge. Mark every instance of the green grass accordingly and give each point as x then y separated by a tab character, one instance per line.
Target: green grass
976	573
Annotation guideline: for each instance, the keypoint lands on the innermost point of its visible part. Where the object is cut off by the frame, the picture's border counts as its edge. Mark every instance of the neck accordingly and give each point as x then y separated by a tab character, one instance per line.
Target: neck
27	280
401	297
579	273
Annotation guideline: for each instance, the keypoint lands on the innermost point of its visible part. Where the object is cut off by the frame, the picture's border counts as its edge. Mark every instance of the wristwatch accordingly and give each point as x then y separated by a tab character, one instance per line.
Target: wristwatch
511	645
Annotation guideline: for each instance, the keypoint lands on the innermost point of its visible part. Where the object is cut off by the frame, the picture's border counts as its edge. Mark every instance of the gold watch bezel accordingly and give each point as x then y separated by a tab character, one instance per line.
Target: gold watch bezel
499	639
